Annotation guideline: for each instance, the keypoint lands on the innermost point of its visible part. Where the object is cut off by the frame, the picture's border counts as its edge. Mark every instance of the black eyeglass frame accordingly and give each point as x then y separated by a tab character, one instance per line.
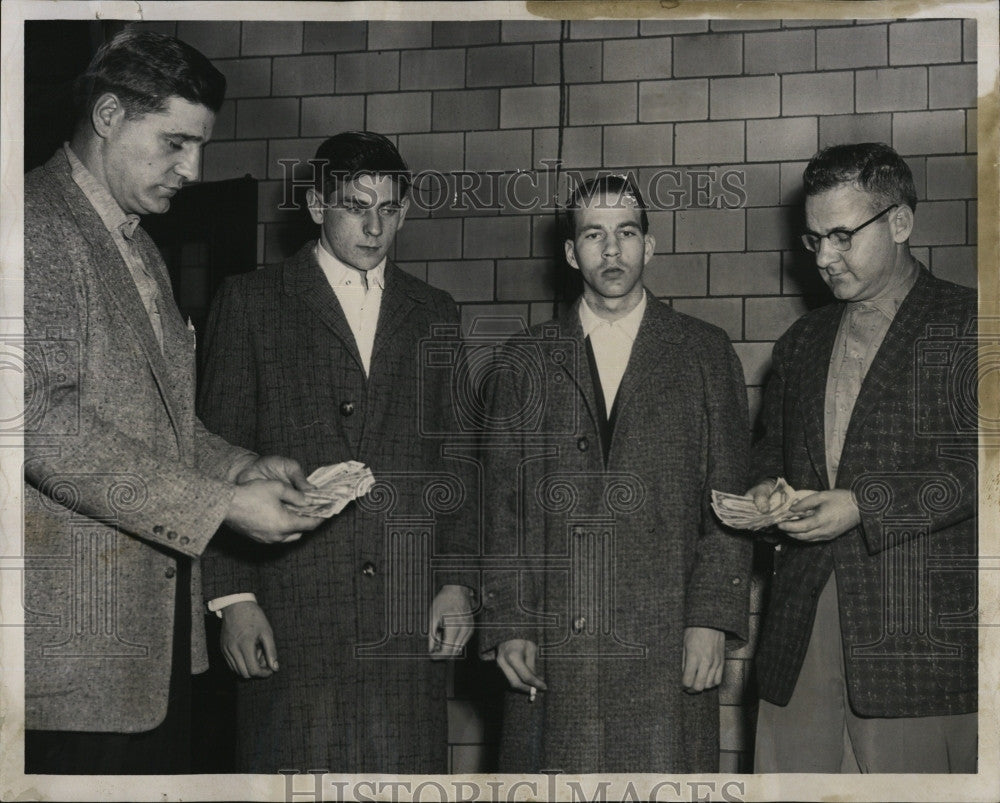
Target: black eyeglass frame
840	239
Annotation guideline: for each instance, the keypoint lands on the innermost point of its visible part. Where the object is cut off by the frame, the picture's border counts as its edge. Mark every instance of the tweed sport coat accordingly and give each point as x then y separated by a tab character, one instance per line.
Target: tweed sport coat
906	576
356	691
120	476
603	565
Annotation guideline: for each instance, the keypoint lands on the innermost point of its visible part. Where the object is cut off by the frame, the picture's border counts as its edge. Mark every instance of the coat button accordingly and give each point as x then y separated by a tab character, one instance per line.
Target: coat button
579	624
346	408
185	540
158	529
779	547
583	444
171	535
368	570
736	581
170	572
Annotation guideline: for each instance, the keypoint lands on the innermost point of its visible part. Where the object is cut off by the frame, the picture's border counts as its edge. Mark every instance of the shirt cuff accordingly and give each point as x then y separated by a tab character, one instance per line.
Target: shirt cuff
216	605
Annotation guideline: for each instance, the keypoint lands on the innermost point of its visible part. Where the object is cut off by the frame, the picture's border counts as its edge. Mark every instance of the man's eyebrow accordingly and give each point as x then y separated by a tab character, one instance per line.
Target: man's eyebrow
183	136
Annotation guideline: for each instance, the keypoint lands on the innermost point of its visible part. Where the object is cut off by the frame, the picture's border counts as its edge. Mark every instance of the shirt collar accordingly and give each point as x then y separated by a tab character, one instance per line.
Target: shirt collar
629	324
888	304
112	215
339	274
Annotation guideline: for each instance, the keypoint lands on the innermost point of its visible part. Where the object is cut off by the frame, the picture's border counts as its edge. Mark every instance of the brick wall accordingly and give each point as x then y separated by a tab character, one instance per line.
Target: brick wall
757	97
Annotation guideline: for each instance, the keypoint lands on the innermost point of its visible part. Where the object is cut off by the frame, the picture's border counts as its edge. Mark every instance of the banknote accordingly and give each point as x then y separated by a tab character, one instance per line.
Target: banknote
336	485
741	513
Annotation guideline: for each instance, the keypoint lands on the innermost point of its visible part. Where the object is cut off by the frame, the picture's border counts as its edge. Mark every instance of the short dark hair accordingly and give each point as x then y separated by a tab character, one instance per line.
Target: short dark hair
349	154
144	70
615	184
870	166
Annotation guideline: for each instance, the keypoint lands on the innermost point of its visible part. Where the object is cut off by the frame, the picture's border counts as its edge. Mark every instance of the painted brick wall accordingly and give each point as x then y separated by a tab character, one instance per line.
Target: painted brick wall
757	97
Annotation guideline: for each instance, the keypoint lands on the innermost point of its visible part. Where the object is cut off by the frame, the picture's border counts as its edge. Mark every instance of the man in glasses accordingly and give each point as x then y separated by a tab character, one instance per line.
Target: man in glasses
867	659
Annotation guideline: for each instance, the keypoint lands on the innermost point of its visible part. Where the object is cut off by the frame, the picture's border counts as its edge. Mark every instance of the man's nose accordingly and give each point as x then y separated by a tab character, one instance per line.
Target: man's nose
373	223
611	246
826	254
189	164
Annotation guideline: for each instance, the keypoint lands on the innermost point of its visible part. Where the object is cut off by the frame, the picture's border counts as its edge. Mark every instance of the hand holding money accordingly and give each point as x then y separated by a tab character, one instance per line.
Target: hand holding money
336	485
742	513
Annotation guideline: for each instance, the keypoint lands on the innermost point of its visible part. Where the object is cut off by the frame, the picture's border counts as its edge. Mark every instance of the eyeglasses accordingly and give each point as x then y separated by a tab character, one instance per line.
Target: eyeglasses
839	238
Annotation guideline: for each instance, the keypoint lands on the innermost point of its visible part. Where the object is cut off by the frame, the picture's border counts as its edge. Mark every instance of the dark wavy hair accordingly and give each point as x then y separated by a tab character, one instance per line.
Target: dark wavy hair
349	154
870	166
615	185
145	69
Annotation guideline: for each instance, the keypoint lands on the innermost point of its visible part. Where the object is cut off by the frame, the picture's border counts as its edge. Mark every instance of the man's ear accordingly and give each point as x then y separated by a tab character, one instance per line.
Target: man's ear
106	115
901	223
571	254
316	205
650	248
404	205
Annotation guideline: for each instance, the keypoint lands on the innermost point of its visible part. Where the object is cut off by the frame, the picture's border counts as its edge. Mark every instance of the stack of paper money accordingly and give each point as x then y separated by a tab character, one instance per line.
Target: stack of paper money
335	487
741	513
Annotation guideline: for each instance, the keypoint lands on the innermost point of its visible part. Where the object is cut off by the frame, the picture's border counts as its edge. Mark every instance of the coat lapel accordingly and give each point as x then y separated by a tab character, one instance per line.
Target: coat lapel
303	276
579	368
658	327
396	306
813	378
894	357
113	273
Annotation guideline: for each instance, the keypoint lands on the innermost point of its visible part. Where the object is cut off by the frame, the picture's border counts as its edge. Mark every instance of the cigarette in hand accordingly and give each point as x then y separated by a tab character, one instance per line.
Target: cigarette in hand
531	695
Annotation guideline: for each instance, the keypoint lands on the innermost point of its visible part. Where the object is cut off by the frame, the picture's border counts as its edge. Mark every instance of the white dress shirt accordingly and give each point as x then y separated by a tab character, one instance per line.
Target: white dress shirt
360	296
612	343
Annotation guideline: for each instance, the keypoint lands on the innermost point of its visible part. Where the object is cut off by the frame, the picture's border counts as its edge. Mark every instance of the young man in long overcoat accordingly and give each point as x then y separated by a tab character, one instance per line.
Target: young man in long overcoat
610	591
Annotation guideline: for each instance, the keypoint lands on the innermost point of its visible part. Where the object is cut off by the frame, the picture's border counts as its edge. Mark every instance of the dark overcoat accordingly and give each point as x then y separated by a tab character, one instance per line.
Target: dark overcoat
356	691
906	575
603	563
122	482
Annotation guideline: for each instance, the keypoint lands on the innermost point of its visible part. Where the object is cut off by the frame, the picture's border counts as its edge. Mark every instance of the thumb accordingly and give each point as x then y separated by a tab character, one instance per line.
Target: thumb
286	493
297	476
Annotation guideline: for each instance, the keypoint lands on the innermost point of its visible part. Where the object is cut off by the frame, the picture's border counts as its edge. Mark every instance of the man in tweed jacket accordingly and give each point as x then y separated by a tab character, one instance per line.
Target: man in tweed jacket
867	659
610	591
124	487
318	357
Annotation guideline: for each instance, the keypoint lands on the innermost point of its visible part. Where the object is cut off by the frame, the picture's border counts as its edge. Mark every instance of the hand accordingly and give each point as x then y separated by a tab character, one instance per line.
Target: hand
765	497
451	622
824	515
247	641
704	657
275	467
516	658
257	512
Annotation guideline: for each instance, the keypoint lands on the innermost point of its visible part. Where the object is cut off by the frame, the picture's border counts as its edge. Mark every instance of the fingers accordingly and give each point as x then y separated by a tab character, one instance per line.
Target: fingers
701	672
518	663
297	477
810	502
292	496
268	651
761	495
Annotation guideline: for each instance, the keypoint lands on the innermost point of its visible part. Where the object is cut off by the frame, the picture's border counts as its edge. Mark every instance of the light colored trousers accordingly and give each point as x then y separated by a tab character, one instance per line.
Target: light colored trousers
818	732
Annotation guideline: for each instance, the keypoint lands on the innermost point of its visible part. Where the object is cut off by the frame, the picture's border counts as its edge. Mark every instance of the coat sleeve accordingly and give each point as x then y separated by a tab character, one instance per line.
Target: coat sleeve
507	593
718	592
227	407
76	453
768	451
459	531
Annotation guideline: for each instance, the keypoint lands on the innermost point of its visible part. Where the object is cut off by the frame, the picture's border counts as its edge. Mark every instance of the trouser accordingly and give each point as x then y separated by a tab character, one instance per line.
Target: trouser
818	732
162	751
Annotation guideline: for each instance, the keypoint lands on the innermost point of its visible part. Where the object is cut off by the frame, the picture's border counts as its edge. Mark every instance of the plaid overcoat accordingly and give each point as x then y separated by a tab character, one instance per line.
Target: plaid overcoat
121	479
604	563
906	576
356	691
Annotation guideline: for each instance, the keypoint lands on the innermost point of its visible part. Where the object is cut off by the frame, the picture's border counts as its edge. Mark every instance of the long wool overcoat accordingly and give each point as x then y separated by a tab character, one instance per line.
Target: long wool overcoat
356	691
603	563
